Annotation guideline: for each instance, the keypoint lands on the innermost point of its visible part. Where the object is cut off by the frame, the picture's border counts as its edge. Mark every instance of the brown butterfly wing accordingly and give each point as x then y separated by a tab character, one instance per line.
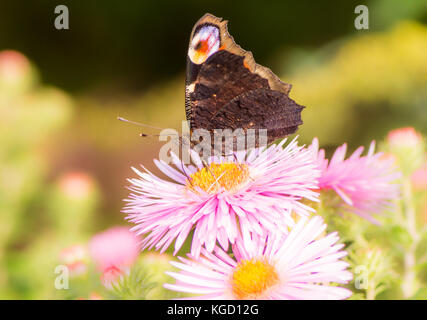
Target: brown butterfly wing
227	95
261	109
220	79
229	90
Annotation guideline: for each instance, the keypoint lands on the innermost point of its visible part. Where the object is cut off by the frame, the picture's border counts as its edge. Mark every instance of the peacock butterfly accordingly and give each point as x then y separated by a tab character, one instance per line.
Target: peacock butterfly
226	89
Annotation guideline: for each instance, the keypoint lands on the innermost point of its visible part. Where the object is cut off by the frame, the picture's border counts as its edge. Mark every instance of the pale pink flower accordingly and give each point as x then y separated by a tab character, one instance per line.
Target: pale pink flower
404	137
14	66
95	296
409	148
92	296
113	274
75	258
114	248
76	185
254	192
300	265
366	184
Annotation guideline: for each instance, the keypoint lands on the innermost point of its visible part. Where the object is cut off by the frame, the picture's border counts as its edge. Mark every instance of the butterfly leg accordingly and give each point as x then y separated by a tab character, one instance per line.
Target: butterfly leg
186	175
210	171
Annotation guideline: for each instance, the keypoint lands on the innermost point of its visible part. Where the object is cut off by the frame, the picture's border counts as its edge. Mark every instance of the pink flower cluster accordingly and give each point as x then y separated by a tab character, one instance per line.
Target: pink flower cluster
366	184
113	252
249	218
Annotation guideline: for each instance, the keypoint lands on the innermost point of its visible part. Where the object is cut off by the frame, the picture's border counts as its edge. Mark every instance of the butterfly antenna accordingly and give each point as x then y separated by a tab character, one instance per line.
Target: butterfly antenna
142	134
138	123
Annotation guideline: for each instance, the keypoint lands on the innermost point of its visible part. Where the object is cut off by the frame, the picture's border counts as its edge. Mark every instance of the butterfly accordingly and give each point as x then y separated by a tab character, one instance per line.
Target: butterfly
226	89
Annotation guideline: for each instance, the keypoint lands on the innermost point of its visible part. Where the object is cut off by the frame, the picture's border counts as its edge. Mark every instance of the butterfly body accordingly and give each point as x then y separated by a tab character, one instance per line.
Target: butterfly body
226	89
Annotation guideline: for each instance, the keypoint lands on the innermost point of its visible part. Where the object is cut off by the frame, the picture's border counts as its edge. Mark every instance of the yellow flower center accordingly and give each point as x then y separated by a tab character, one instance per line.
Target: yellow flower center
227	176
252	278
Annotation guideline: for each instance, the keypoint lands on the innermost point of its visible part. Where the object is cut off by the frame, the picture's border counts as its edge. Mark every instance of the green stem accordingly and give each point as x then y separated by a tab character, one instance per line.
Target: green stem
410	283
371	292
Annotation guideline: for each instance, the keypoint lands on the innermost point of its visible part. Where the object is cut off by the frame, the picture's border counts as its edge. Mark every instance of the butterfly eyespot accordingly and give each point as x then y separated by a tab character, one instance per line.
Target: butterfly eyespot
205	42
198	46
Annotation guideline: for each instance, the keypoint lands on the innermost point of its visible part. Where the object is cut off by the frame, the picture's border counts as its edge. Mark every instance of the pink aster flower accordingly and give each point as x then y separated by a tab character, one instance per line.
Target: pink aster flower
404	137
92	296
77	185
253	192
297	266
367	184
75	258
14	66
113	252
112	275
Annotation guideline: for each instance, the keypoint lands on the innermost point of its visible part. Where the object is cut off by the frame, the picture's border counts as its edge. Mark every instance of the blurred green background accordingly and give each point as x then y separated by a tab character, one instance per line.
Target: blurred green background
65	158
